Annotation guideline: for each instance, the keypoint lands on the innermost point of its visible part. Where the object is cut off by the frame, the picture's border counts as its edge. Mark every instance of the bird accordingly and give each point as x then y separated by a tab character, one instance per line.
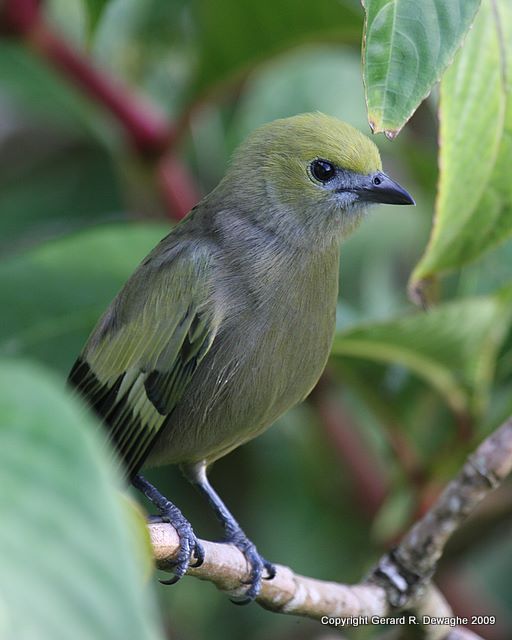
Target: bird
228	321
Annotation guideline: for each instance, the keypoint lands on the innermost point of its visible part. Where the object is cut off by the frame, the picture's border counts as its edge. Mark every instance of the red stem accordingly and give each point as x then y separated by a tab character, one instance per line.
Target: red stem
148	131
17	17
177	186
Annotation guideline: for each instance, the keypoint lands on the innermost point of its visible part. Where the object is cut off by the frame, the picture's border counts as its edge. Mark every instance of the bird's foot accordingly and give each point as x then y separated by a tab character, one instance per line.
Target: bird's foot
257	566
233	534
189	544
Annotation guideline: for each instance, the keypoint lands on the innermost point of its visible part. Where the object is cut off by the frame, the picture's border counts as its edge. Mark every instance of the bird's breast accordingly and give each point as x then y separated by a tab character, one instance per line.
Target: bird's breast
269	353
274	347
297	323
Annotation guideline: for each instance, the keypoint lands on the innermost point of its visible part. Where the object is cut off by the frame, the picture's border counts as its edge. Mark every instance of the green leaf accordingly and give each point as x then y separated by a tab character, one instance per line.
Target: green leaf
474	207
407	46
69	17
235	36
453	348
69	557
53	295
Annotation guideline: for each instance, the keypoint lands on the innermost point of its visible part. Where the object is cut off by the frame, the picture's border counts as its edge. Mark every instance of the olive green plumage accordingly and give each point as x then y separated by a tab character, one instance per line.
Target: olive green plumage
229	320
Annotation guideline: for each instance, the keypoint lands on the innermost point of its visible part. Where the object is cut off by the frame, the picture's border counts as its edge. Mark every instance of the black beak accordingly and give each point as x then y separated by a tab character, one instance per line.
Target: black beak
379	188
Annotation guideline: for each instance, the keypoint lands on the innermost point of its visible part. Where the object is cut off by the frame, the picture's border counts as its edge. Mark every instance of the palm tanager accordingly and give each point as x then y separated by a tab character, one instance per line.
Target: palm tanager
228	322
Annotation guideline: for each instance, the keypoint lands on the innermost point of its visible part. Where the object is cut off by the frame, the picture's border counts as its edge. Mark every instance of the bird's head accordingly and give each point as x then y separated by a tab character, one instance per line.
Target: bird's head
311	173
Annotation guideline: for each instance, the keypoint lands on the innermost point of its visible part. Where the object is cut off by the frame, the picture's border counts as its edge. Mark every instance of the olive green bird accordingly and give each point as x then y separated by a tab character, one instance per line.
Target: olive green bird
228	322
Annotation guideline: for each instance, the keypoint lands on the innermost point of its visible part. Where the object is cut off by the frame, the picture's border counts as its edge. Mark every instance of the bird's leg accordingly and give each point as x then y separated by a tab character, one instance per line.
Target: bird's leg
233	532
189	544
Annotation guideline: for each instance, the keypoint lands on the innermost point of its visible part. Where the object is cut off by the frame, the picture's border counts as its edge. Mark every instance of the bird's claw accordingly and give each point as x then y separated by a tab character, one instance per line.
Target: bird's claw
189	545
257	564
170	581
198	553
270	569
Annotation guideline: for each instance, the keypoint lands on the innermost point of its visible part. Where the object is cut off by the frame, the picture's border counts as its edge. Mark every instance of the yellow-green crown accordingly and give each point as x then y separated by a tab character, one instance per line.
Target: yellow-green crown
316	135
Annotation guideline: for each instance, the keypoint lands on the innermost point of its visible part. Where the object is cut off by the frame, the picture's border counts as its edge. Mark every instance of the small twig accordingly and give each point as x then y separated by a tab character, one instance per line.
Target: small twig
461	633
423	545
434	605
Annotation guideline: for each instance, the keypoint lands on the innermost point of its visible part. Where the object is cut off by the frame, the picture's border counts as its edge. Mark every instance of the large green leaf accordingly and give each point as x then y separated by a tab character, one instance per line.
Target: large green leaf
407	46
69	557
53	295
453	347
474	207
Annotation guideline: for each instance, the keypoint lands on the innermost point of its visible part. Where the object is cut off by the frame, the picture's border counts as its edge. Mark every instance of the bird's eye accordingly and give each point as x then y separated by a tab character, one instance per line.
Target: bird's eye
322	170
376	181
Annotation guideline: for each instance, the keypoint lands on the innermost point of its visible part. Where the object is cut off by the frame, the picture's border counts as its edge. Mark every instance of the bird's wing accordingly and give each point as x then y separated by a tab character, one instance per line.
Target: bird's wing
146	348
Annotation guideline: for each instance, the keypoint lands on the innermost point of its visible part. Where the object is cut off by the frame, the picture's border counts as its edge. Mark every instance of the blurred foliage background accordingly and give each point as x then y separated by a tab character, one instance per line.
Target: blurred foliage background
406	395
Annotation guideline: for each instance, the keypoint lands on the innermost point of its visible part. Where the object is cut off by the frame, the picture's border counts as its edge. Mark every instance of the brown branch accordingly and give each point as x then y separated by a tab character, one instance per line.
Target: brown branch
288	592
402	579
328	602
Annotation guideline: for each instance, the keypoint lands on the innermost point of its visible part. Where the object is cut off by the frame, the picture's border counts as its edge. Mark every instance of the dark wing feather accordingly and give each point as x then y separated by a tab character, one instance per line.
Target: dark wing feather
145	350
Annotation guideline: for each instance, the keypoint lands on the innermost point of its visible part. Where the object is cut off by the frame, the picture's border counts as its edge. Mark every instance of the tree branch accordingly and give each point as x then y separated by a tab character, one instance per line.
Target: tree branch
420	549
288	592
401	579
